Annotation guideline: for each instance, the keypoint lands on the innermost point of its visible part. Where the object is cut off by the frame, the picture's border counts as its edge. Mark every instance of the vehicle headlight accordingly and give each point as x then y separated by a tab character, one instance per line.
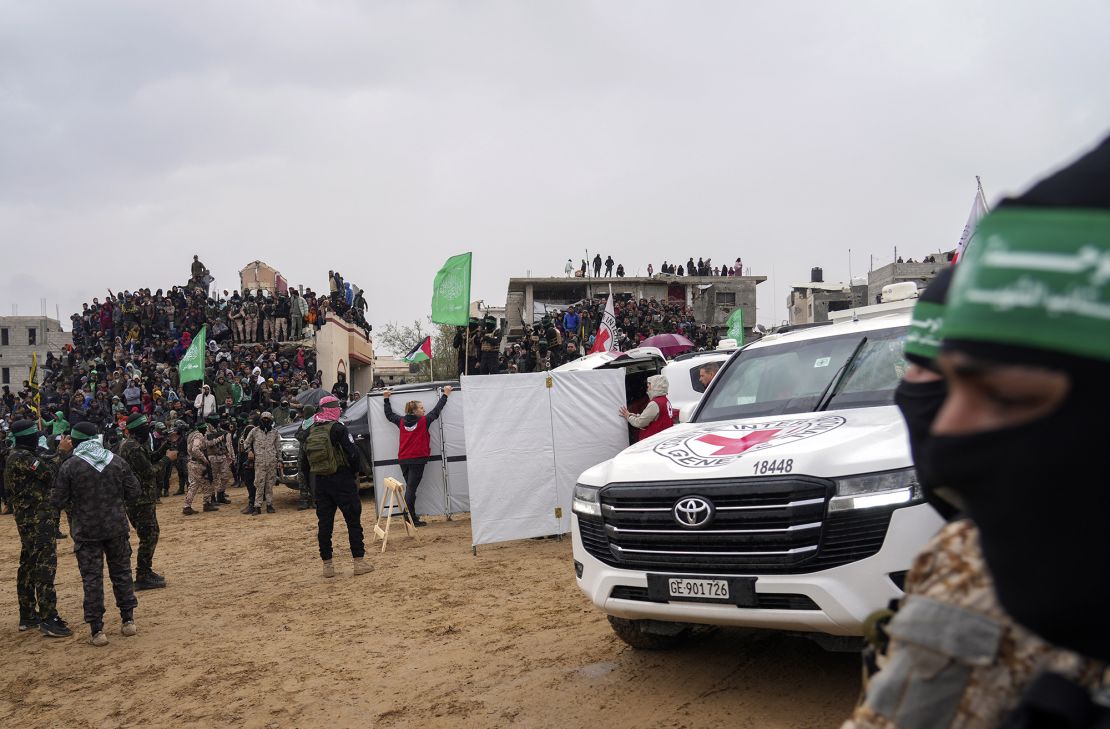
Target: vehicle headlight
876	489
586	502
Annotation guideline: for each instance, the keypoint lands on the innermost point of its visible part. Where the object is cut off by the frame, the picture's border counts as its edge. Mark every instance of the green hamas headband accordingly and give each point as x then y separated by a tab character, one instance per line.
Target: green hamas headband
32	430
1036	278
137	422
78	435
923	337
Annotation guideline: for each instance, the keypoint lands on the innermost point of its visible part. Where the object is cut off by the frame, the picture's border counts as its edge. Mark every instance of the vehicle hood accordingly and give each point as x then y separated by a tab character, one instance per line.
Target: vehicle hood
827	444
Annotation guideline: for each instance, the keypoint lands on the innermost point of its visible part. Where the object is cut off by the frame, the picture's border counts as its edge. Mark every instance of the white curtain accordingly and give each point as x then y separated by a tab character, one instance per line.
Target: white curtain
527	443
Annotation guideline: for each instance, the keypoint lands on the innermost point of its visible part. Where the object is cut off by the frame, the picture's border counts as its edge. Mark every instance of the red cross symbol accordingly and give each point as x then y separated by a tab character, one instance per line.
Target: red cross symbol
600	340
733	446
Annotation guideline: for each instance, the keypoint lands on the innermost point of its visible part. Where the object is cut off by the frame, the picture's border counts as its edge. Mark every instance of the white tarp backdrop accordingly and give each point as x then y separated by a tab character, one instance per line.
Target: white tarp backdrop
527	443
384	435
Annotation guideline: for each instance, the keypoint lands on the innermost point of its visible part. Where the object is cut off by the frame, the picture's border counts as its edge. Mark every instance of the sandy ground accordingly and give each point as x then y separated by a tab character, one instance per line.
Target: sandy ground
249	634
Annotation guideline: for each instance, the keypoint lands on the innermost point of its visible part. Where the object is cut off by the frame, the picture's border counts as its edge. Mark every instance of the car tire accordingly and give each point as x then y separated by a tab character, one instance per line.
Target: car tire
654	635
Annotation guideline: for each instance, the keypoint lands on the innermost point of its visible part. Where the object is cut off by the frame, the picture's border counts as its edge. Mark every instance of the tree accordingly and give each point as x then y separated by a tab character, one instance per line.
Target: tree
398	339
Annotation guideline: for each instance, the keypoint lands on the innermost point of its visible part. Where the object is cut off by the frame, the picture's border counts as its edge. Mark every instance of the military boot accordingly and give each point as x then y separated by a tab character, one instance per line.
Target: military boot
149	581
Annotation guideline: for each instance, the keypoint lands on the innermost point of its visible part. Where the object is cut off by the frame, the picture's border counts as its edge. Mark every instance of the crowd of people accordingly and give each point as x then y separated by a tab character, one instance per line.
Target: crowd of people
565	335
126	349
123	364
702	267
117	390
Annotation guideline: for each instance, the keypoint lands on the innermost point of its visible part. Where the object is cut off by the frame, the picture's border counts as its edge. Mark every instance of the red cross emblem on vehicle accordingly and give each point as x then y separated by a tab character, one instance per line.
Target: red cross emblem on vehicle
735	446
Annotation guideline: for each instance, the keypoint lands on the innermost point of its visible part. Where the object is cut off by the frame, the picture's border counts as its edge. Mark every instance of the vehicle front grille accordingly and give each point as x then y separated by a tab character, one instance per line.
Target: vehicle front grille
769	601
289	464
761	526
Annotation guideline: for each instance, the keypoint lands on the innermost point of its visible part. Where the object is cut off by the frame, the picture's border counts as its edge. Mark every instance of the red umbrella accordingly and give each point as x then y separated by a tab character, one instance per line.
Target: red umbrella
669	344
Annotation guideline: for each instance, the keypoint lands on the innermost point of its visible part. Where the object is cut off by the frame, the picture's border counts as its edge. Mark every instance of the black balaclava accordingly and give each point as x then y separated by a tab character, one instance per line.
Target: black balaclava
139	428
920	401
1033	290
25	434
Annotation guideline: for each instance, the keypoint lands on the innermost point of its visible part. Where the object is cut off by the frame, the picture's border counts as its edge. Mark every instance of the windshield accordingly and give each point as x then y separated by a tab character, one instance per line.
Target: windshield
790	377
356	411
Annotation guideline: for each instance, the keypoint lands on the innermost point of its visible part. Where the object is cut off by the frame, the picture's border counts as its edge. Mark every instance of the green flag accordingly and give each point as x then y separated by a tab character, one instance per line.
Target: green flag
736	326
191	366
451	292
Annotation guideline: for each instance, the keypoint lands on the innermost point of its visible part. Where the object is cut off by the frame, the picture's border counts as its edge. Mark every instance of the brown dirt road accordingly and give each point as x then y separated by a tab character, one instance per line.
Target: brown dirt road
248	634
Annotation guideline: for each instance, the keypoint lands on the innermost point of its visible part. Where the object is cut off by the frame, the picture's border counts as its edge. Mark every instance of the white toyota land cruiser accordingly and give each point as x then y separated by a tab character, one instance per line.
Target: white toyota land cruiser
788	502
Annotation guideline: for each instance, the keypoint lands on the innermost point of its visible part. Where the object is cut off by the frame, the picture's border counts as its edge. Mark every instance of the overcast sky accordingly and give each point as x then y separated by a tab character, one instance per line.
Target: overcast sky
378	138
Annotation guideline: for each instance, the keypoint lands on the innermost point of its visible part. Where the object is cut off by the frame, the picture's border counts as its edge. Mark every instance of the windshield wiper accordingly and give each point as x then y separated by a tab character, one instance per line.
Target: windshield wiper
831	389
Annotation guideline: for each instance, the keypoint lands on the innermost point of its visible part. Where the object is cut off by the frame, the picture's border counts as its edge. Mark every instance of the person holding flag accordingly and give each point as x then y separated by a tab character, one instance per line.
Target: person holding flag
191	366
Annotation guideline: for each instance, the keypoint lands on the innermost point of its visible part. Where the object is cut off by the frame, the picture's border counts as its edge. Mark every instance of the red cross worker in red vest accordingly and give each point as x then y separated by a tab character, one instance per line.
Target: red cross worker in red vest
658	415
415	447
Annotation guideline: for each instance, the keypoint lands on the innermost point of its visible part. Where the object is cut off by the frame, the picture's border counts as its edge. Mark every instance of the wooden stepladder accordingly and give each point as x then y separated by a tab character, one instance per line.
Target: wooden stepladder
394	497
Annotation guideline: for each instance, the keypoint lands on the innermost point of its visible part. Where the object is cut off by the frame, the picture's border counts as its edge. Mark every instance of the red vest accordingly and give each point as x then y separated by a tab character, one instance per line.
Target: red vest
415	443
664	420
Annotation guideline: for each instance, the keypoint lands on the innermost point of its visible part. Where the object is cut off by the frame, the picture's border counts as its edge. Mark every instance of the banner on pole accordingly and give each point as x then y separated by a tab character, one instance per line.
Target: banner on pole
736	326
421	352
979	208
191	366
451	292
606	333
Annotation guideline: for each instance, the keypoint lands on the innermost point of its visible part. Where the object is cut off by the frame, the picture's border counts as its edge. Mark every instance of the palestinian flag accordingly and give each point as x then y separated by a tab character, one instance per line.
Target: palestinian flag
420	352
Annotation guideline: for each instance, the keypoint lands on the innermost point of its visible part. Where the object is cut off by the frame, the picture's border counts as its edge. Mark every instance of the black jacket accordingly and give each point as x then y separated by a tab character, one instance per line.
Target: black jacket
94	500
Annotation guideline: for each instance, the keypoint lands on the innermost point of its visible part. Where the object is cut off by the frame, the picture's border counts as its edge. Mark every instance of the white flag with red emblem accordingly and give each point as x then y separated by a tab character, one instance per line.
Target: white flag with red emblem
606	334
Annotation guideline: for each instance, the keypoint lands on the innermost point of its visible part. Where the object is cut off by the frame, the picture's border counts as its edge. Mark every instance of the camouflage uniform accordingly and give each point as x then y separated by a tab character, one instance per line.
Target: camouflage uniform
250	319
955	658
28	478
148	467
198	466
98	525
221	451
267	450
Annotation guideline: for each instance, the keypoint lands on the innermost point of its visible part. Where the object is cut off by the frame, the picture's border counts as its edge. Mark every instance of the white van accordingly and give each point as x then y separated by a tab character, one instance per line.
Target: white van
788	502
683	375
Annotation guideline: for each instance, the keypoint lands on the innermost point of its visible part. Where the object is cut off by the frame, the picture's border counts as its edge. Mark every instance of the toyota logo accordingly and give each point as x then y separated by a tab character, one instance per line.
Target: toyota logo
693	512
